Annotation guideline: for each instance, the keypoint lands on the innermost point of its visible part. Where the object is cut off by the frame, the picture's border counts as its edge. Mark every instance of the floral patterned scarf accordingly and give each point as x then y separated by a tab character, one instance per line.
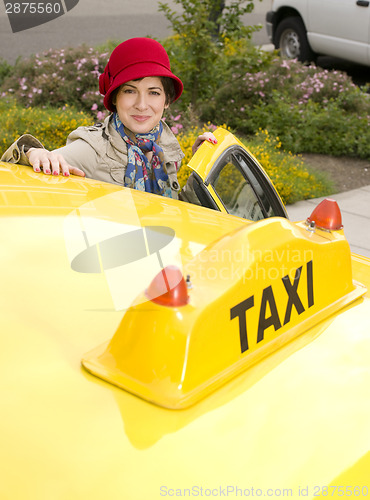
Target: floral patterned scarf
142	174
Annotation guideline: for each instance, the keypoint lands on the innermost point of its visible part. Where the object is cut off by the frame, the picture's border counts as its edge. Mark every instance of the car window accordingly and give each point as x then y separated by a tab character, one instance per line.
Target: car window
235	191
269	203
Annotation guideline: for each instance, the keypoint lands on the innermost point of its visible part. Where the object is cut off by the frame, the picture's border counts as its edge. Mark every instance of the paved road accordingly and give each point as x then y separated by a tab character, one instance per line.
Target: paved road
95	21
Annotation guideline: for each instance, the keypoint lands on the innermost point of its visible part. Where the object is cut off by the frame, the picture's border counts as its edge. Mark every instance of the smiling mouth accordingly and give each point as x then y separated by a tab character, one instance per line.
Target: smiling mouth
140	118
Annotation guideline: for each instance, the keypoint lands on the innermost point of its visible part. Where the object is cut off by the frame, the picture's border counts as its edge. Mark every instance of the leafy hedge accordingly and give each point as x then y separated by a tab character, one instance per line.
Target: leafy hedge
51	126
59	77
310	109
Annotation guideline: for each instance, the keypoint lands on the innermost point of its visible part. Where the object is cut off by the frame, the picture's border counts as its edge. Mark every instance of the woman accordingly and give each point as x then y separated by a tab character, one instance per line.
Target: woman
133	147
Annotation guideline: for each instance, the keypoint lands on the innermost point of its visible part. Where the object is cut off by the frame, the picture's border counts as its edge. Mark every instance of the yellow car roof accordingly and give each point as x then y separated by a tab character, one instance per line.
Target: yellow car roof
295	424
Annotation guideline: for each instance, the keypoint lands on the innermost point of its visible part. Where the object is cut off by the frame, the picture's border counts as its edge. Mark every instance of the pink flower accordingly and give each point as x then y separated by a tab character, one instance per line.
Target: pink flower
94	107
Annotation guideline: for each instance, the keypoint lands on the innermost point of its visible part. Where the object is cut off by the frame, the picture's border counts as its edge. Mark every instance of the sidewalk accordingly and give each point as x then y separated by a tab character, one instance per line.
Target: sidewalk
355	208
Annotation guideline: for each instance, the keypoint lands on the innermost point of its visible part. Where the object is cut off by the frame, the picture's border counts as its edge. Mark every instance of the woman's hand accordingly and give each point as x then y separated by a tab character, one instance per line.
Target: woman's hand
207	136
51	163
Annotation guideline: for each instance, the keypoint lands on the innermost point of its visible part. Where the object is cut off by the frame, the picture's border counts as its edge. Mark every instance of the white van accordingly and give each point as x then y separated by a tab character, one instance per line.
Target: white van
304	29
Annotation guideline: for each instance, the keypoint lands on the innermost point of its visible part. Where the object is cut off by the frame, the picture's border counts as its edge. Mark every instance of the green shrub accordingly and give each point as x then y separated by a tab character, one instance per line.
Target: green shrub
59	77
310	109
226	62
5	70
51	126
316	129
201	50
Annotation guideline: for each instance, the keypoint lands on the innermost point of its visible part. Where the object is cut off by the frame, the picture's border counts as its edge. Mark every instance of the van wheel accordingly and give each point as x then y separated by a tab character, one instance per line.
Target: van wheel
291	39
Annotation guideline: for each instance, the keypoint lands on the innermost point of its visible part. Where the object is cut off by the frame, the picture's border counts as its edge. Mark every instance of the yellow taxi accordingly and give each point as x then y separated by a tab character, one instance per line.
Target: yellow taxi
155	348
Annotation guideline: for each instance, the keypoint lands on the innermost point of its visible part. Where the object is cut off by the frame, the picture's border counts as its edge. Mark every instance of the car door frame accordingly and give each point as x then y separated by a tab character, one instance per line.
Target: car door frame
262	186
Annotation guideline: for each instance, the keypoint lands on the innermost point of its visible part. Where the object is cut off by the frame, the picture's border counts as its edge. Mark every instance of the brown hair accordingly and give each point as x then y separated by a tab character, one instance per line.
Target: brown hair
169	88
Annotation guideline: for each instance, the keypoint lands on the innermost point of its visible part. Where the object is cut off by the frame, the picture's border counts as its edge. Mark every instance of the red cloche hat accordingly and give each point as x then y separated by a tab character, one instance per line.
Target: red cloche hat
132	59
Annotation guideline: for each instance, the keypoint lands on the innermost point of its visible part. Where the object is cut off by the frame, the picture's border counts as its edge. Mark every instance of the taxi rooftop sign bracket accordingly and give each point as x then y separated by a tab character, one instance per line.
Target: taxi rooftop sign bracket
286	280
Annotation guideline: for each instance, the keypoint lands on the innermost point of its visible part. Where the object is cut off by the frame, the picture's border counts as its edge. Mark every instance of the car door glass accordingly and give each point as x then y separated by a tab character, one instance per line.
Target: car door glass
236	192
260	188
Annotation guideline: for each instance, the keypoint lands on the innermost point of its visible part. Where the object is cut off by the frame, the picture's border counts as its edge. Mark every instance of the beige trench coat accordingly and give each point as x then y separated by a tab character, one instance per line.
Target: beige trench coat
101	153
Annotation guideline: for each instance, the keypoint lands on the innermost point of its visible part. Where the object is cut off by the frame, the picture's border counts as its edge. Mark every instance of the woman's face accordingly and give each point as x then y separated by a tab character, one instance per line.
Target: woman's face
140	104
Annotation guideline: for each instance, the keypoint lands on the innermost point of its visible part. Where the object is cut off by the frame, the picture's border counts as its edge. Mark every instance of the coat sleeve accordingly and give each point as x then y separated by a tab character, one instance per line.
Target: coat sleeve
16	153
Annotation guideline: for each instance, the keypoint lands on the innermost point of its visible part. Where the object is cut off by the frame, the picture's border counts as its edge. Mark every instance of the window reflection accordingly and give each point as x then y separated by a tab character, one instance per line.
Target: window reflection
236	192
